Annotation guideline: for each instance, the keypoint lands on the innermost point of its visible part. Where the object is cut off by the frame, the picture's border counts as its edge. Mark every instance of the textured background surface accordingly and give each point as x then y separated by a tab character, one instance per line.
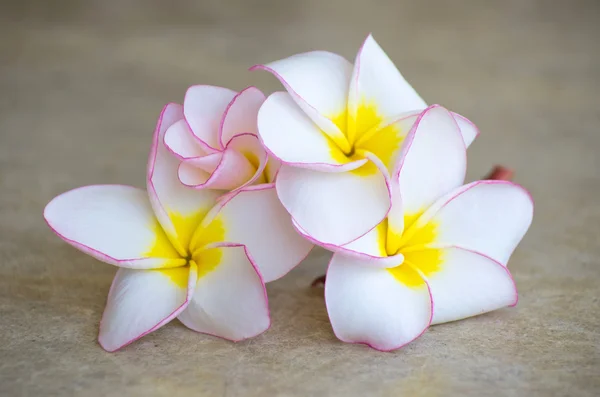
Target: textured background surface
81	85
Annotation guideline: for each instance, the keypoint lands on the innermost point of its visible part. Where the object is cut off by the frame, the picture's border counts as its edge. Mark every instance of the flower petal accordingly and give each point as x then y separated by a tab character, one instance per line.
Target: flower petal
181	142
468	129
376	84
366	250
333	208
255	218
369	305
489	217
233	170
141	301
240	115
178	208
467	284
433	161
271	169
230	300
294	139
203	108
114	224
318	82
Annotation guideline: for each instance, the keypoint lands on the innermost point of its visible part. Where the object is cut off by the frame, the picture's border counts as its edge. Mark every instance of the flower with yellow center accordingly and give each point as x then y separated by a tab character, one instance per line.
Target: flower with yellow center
181	252
338	131
216	140
441	254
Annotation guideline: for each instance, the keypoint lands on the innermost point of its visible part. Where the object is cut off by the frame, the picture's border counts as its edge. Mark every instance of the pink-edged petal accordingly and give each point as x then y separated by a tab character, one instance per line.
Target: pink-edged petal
433	161
467	284
369	305
208	163
178	208
333	208
294	139
141	301
230	300
240	164
489	217
114	224
203	108
255	218
376	83
468	129
181	142
318	82
387	139
366	250
240	115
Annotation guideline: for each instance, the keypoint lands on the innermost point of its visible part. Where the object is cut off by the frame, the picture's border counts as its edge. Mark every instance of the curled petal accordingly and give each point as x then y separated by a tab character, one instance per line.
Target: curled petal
294	139
141	301
369	305
334	208
240	115
318	82
255	218
203	108
114	224
489	217
234	169
178	208
181	142
230	300
468	284
433	160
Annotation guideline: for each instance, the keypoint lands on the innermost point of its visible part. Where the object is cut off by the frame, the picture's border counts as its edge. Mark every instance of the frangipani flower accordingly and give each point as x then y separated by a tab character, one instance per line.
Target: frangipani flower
216	139
338	132
441	255
177	256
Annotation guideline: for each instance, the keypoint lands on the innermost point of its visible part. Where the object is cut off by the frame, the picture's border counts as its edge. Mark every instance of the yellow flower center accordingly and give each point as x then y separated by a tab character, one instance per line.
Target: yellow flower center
421	258
365	132
192	244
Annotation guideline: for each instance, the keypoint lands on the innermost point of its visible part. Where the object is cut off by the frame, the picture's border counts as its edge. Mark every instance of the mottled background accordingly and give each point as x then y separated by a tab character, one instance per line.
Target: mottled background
81	85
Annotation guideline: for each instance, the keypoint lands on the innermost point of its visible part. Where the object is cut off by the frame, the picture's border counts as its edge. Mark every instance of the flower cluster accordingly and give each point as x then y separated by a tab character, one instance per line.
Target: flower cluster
240	186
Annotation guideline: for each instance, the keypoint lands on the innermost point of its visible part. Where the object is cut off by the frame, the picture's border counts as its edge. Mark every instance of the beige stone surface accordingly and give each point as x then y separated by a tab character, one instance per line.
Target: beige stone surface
81	85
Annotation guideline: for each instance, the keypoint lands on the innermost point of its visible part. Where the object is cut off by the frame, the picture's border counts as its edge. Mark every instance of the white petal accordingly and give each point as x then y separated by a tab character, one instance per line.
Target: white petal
333	208
294	139
469	284
114	224
376	82
178	208
141	301
433	161
369	305
182	143
468	129
255	218
318	82
489	217
233	170
240	115
366	250
230	300
203	108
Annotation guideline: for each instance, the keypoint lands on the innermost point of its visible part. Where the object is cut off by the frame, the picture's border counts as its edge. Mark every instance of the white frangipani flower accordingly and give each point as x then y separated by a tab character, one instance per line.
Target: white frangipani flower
338	131
181	252
441	254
